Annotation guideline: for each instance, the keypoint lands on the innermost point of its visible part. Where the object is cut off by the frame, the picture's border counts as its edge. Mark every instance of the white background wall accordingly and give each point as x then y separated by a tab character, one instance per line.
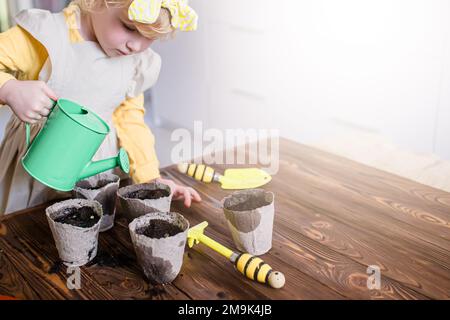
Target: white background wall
313	67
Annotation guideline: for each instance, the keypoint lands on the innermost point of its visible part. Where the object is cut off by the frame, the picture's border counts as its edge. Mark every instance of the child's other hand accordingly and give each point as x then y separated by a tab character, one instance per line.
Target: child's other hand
29	100
182	192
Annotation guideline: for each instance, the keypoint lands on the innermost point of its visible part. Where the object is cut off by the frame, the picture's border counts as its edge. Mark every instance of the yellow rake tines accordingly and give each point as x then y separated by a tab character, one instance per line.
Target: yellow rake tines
250	266
232	179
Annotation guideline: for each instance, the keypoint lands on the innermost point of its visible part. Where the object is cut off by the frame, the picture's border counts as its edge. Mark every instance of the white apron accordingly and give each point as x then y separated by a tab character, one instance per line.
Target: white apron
81	72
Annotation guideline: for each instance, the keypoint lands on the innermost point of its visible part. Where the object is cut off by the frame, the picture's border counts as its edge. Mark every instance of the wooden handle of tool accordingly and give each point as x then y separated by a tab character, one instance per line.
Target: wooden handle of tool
199	172
256	269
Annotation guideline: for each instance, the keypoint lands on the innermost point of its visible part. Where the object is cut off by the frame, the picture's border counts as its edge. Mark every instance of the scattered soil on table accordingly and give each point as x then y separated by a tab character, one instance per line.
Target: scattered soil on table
84	217
148	194
107	259
222	295
155	290
158	229
56	267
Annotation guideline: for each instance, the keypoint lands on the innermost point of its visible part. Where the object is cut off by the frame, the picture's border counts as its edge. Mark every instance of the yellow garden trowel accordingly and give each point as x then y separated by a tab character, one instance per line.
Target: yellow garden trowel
250	266
232	179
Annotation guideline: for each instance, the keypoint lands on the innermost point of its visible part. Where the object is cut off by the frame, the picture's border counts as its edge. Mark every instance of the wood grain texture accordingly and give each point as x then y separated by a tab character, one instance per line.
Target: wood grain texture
334	217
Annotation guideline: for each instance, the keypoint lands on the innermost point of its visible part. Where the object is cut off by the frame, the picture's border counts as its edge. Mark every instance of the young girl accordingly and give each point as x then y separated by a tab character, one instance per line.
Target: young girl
97	53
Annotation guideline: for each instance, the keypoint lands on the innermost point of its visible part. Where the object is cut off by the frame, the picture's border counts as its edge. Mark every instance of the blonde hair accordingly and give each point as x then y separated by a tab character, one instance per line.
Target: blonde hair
161	29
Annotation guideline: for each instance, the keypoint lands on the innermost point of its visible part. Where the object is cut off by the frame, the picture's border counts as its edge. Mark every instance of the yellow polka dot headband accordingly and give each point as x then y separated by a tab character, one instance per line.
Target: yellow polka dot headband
184	17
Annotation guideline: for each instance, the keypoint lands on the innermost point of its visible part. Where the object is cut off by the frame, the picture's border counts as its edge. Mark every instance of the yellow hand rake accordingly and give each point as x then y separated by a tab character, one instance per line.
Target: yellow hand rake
252	267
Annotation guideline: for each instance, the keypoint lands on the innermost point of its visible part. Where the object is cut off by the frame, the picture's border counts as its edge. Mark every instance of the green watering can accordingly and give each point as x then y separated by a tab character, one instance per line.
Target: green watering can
62	152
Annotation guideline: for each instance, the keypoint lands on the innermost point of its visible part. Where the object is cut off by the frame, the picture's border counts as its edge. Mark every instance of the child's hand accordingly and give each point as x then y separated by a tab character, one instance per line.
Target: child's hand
182	192
29	100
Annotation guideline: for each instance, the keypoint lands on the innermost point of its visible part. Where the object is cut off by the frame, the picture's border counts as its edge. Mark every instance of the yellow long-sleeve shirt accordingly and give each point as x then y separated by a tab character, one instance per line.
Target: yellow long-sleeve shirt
22	57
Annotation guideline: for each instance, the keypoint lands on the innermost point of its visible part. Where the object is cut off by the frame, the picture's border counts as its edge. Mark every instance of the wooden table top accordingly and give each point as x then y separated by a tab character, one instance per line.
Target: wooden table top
334	218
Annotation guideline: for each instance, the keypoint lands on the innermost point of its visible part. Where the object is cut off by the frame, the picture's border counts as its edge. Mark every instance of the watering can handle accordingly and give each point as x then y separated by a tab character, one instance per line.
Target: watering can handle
28	127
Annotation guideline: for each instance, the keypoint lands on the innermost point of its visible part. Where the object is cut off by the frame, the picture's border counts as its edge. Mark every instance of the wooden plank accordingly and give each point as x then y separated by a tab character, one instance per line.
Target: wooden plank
118	260
405	262
398	196
398	264
319	183
364	214
434	278
319	268
220	273
300	284
12	283
34	255
98	282
334	217
114	273
216	278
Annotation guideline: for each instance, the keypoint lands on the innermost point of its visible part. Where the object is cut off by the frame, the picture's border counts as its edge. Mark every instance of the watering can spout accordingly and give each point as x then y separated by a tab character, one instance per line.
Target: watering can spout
94	168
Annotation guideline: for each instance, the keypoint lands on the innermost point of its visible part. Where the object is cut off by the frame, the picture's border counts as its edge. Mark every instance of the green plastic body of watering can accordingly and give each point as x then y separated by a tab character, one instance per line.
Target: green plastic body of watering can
62	152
